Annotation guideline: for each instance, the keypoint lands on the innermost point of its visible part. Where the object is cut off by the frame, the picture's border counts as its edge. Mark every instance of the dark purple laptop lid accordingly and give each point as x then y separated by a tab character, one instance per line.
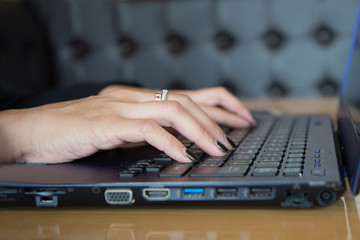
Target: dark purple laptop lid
349	112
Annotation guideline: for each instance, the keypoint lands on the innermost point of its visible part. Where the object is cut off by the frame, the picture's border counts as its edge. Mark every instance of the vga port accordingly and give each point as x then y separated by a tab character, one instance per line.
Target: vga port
116	196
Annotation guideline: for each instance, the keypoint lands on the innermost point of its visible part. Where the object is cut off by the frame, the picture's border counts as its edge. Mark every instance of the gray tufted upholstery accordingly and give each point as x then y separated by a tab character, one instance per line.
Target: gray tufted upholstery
257	48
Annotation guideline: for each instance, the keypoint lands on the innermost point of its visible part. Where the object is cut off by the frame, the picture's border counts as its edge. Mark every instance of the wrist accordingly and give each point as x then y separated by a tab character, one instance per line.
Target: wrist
10	131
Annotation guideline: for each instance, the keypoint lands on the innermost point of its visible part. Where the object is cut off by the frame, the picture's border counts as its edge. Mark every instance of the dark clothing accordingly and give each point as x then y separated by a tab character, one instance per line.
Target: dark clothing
10	99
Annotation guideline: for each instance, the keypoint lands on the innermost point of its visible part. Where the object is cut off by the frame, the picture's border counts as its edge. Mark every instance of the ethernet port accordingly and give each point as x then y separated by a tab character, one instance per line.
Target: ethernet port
46	201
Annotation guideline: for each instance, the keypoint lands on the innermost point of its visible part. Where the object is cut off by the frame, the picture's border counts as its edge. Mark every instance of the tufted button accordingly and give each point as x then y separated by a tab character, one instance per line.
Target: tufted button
274	39
324	35
328	87
276	89
176	44
127	46
224	41
79	49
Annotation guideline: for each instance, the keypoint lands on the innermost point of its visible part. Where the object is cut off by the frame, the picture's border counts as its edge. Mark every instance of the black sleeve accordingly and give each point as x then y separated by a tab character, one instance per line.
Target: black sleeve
10	99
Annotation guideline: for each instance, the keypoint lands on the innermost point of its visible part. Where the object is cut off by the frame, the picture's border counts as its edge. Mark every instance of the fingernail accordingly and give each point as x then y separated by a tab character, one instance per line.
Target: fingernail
190	155
233	145
221	146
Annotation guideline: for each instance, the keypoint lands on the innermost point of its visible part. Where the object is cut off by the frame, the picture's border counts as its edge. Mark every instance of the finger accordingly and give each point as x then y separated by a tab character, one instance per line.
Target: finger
138	130
203	118
173	114
220	96
224	117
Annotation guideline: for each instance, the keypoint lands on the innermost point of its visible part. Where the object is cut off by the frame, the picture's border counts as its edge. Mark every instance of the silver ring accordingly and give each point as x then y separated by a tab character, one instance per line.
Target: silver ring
161	95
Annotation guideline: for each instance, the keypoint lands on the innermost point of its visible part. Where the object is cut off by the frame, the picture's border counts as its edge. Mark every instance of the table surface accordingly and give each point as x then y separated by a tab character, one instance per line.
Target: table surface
339	221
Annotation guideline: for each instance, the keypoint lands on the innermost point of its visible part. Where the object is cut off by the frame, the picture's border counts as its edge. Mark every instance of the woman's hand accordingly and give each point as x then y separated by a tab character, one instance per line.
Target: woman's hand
65	131
222	106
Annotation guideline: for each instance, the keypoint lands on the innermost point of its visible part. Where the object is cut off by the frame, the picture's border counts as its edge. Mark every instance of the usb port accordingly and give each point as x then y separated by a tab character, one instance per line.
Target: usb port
226	192
193	192
261	192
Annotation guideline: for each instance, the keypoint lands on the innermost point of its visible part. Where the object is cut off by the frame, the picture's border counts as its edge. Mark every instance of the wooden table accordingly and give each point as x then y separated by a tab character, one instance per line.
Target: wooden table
339	221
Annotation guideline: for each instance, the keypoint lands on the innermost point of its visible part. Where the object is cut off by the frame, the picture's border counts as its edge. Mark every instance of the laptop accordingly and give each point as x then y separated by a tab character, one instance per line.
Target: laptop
292	161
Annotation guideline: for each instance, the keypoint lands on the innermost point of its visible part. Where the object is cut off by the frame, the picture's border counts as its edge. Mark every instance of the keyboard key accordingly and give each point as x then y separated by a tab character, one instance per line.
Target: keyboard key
128	173
228	171
293	164
298	147
296	155
276	145
271	159
294	172
239	162
265	172
250	146
145	162
216	159
320	172
138	167
274	149
210	164
243	157
175	170
293	160
267	164
297	150
154	167
163	159
272	154
246	152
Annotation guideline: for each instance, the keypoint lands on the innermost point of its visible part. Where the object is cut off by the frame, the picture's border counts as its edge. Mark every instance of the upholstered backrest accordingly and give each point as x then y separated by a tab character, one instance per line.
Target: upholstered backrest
257	48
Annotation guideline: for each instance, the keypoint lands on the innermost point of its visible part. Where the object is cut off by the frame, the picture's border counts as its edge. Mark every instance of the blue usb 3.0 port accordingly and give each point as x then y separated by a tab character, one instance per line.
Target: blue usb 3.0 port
193	192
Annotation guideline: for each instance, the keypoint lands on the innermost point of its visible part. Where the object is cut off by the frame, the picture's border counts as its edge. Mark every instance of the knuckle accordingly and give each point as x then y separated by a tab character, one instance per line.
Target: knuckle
222	90
184	98
147	126
170	142
200	135
174	107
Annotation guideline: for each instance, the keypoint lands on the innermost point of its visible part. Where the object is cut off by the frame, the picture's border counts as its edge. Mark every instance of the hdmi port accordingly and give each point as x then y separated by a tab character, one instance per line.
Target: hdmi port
156	193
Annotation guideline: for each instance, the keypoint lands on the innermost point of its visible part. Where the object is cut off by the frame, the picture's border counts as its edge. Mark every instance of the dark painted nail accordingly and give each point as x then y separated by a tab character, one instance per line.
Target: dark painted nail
221	146
191	156
233	145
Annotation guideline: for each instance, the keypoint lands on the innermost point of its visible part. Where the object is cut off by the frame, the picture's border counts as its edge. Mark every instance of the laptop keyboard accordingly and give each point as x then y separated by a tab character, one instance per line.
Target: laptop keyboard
275	147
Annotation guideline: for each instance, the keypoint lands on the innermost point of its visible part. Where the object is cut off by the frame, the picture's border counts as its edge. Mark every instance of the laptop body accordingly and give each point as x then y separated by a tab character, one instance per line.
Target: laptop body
298	161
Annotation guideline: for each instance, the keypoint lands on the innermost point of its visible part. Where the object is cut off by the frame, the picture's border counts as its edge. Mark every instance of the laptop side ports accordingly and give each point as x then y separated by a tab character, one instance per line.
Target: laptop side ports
261	193
46	201
326	197
156	194
116	196
45	197
226	192
297	199
193	193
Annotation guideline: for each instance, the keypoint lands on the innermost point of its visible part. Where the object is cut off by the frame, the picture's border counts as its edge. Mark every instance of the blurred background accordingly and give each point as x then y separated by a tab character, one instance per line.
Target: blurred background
256	48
